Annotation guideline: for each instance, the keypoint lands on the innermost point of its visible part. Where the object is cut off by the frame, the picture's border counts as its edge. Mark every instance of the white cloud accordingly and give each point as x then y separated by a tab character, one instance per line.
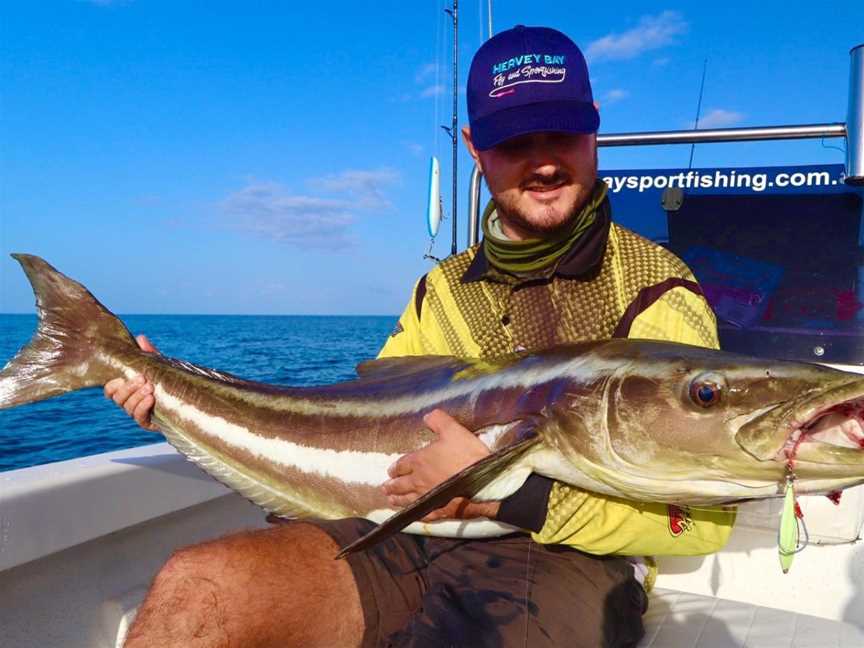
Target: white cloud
425	72
270	210
661	62
414	148
365	187
433	91
651	33
615	94
427	83
719	118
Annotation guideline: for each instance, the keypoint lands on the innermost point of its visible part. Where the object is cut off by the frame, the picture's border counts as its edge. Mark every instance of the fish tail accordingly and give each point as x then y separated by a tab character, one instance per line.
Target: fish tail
74	338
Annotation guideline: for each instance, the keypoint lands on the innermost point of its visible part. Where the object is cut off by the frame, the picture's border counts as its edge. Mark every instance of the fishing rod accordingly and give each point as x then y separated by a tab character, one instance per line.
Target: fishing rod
453	128
698	110
434	211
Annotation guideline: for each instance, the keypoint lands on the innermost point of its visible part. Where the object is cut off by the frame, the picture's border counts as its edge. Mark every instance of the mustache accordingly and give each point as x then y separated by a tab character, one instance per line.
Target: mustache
538	180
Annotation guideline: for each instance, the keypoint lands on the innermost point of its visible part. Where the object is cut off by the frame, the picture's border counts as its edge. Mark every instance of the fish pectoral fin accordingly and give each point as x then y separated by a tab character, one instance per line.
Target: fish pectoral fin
466	483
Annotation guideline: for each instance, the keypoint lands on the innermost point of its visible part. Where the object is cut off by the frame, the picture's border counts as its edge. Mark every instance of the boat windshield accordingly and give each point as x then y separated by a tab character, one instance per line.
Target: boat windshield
782	266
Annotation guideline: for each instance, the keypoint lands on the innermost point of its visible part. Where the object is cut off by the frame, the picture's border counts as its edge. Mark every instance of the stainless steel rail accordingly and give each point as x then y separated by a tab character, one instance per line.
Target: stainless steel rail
474	206
723	135
855	118
852	130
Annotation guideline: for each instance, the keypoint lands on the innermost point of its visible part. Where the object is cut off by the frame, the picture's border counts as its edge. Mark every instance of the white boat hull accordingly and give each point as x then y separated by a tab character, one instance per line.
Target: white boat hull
81	540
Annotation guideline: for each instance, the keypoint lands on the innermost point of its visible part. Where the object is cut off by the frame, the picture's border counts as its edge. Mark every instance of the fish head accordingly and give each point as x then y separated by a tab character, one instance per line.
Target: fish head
699	413
818	434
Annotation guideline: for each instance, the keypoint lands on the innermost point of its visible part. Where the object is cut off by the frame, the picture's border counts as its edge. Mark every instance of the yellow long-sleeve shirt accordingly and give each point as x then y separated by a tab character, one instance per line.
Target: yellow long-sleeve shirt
617	285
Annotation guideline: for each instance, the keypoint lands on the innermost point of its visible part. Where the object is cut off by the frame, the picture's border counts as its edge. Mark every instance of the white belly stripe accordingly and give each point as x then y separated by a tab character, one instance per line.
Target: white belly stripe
347	465
474	528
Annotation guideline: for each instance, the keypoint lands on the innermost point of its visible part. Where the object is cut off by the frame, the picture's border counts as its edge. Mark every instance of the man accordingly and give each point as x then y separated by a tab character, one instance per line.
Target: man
552	269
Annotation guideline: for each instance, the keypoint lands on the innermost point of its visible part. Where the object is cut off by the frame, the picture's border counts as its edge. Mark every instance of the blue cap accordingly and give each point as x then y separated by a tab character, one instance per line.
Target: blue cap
528	80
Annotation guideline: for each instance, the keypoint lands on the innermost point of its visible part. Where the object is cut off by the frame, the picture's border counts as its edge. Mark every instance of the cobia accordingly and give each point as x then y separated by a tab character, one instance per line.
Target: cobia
638	419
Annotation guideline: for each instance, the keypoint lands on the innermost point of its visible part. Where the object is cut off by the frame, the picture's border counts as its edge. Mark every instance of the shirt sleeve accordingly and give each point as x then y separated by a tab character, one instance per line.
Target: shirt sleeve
606	525
404	340
678	315
411	336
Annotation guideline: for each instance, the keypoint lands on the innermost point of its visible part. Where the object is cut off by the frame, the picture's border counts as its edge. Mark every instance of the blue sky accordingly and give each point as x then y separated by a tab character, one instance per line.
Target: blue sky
271	157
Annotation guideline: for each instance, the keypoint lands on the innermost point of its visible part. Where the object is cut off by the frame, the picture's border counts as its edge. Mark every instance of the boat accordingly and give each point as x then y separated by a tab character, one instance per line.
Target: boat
80	540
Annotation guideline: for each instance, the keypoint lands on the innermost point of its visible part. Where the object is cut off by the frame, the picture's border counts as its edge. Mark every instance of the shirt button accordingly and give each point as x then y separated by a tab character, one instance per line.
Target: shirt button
505	319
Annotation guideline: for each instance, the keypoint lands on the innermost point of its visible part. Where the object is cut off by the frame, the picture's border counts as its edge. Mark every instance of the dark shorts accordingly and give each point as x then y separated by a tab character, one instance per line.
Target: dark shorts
510	591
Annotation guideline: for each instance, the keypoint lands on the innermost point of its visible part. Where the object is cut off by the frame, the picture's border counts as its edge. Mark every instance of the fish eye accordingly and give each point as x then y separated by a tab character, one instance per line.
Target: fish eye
706	390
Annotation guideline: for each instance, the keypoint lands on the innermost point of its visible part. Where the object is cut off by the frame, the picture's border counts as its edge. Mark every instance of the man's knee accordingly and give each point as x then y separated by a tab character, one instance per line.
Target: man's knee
194	592
187	605
258	587
194	561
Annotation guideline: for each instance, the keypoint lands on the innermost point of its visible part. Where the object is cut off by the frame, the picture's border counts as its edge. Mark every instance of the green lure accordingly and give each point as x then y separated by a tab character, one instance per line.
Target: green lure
788	536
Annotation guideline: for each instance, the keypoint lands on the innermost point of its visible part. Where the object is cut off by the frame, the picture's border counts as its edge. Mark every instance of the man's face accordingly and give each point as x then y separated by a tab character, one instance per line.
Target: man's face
538	181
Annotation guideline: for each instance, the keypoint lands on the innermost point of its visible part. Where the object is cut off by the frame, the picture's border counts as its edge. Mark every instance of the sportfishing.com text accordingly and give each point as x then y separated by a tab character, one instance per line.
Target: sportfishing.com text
722	180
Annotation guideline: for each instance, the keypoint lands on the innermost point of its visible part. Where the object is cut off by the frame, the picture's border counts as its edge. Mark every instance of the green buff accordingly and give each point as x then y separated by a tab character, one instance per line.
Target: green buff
519	257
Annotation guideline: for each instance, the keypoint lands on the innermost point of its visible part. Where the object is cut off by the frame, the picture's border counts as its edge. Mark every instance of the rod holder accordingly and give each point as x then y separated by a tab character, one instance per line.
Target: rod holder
855	118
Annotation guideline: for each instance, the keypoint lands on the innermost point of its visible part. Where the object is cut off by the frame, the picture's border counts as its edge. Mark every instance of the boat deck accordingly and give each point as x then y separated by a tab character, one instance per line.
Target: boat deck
685	620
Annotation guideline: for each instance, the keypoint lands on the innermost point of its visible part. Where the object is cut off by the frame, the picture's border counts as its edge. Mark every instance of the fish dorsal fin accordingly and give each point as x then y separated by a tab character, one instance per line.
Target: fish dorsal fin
467	483
460	368
206	372
406	365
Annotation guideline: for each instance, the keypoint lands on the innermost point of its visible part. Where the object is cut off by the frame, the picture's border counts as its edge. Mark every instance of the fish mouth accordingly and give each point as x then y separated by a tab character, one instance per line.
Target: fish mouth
826	428
833	436
841	426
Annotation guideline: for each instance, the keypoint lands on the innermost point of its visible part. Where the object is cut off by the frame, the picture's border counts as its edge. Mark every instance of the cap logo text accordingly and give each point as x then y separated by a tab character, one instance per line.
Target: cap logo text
527	59
503	84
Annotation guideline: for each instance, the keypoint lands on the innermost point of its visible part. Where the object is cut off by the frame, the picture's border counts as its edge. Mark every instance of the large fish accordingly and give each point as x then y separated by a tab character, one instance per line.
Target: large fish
643	420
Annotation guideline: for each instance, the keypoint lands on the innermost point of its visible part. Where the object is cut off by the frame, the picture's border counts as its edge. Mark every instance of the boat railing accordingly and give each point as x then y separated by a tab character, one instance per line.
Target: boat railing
852	130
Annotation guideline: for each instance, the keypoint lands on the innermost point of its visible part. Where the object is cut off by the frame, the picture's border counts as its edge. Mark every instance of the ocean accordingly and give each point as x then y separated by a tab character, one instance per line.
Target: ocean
287	350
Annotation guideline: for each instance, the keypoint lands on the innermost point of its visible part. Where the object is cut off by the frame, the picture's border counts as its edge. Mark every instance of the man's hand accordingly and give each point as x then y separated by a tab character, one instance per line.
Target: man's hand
135	395
418	472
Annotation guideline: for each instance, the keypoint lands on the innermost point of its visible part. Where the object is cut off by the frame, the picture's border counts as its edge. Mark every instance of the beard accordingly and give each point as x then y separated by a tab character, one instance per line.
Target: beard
539	219
543	220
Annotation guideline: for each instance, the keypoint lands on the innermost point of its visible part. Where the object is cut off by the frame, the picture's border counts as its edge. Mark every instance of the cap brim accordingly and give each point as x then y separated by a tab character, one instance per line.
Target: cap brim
549	116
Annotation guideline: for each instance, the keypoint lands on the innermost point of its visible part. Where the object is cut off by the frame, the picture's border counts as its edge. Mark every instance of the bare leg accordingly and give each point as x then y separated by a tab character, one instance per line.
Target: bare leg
274	587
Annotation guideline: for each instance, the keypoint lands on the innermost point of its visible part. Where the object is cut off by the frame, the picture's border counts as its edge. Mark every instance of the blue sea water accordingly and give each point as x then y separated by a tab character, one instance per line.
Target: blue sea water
288	350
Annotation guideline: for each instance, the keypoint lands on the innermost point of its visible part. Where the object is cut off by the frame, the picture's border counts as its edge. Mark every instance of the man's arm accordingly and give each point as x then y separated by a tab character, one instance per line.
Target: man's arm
456	447
416	473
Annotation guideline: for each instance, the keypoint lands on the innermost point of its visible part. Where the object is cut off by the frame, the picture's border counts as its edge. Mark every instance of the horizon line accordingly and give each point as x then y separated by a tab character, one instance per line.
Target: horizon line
232	314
